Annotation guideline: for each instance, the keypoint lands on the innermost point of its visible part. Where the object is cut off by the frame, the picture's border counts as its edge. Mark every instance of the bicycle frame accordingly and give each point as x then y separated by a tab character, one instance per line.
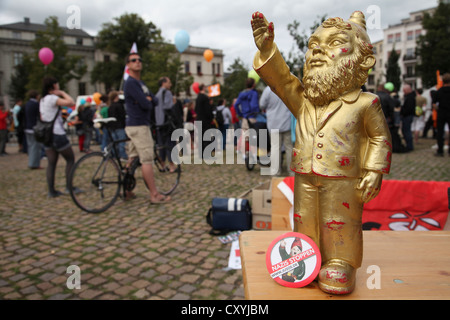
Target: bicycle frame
111	151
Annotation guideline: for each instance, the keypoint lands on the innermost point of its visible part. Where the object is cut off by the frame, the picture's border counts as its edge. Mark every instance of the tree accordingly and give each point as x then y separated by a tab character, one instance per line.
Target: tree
108	72
296	57
163	60
130	28
235	81
393	72
64	67
433	48
19	80
118	37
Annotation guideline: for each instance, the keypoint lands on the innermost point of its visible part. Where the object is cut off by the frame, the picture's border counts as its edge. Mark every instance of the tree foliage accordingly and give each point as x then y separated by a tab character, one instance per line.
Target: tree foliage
19	79
235	81
433	48
118	37
159	58
164	60
129	28
393	72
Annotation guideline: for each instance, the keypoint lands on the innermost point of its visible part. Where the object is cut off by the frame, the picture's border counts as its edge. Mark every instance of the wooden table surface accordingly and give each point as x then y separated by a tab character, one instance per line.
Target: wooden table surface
411	264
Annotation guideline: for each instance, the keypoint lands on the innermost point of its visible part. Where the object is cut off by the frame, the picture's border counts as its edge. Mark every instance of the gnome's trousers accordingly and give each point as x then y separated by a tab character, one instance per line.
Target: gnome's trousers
329	211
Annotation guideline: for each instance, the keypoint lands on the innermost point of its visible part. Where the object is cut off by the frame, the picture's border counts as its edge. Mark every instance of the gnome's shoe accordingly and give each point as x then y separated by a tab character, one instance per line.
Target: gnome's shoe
337	277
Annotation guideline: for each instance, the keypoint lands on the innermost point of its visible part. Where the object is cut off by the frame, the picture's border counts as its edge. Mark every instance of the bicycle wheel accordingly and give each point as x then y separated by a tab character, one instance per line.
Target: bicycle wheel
165	180
249	157
94	183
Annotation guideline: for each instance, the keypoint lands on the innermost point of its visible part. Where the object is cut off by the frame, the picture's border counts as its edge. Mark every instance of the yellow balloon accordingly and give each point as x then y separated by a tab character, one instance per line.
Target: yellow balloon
252	74
208	55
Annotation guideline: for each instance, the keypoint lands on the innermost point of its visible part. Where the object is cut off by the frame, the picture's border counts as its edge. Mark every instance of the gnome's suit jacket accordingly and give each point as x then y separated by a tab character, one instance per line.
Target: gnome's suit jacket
330	156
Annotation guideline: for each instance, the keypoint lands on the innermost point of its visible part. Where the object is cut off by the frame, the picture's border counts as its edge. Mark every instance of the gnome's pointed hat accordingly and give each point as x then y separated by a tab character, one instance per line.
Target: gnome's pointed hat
297	243
358	18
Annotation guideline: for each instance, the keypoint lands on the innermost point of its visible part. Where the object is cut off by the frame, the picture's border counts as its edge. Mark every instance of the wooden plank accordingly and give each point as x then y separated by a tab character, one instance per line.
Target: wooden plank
412	265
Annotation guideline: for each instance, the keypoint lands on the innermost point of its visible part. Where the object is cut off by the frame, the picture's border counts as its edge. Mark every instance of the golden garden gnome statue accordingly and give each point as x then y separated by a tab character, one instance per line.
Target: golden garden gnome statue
343	145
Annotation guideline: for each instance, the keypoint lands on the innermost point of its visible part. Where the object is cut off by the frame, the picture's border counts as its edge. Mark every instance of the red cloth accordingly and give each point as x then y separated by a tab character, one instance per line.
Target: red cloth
408	205
402	205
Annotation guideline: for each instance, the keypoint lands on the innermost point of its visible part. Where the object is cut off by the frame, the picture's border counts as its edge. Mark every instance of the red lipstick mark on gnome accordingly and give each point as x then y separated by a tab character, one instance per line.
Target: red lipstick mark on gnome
344	50
335	225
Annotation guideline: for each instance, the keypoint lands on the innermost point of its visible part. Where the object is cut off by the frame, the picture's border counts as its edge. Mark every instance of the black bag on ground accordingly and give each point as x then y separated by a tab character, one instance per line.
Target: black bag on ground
43	130
229	214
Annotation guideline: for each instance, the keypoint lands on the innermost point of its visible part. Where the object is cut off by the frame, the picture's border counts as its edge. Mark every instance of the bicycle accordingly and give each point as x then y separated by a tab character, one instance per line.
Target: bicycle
97	178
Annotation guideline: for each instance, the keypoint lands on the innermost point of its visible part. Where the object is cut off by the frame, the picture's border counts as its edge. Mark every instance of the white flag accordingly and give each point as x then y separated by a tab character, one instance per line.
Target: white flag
126	72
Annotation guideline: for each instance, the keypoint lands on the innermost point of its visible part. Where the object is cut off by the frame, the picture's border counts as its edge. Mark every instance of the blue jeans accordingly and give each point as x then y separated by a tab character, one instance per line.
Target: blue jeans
407	133
105	139
119	134
34	151
87	138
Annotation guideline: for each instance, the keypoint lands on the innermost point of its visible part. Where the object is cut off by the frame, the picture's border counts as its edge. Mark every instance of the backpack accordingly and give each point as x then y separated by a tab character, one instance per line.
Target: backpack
218	116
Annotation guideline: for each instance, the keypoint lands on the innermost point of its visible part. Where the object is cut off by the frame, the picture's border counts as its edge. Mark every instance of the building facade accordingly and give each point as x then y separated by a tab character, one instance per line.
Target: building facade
403	38
15	43
375	75
16	39
201	70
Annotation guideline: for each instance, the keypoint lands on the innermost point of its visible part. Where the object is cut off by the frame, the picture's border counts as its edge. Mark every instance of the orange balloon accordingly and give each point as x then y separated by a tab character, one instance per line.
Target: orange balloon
96	97
208	55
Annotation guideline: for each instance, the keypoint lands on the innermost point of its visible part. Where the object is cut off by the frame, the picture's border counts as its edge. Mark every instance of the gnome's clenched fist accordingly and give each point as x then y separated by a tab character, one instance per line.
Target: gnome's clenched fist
263	32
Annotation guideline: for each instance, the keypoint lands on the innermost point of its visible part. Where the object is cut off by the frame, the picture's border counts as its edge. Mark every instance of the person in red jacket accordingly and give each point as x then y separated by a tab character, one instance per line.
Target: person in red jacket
3	128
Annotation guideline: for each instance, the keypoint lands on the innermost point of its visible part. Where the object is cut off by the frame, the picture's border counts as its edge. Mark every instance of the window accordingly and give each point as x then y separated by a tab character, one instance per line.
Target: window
218	69
187	67
106	58
79	41
81	63
410	52
418	33
390	38
18	58
82	88
17	35
398	37
371	80
213	68
409	35
199	68
410	71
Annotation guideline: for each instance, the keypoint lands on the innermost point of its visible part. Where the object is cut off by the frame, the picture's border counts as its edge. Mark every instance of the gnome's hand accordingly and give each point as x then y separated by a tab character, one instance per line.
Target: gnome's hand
263	32
370	185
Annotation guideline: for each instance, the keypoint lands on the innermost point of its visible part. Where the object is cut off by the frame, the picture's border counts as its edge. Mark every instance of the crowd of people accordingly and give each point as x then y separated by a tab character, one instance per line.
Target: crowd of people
416	114
409	118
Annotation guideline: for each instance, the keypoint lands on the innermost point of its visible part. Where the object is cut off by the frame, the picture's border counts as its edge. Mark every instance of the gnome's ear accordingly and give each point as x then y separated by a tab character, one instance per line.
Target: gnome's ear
358	18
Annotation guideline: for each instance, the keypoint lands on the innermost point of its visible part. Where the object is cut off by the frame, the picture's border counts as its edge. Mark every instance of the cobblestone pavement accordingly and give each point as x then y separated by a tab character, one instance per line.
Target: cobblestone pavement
135	250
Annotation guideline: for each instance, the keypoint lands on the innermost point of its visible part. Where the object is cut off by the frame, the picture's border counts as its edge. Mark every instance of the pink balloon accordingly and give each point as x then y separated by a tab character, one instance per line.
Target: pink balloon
46	55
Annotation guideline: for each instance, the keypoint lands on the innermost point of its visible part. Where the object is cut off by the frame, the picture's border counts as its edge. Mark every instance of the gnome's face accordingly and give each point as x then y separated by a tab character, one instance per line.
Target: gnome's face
296	250
327	48
338	58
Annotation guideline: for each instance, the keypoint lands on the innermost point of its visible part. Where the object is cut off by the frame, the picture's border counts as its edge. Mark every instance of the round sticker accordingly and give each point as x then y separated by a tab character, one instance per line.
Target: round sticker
293	260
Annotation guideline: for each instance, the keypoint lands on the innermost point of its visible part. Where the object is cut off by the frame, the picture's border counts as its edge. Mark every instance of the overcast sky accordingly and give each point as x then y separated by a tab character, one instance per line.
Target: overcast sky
217	24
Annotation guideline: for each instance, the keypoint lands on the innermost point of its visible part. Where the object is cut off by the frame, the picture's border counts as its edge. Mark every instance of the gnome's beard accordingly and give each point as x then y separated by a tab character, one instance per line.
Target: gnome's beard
322	87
